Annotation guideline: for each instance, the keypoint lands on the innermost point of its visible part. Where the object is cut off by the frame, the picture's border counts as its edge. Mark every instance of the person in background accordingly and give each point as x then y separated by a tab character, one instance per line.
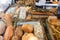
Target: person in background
40	2
5	3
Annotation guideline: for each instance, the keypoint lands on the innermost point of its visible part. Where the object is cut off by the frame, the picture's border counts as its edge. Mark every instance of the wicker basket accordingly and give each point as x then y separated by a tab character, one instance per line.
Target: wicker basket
55	34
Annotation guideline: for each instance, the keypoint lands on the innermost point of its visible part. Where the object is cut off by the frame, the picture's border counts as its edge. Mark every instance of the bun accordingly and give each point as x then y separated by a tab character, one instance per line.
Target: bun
29	36
27	28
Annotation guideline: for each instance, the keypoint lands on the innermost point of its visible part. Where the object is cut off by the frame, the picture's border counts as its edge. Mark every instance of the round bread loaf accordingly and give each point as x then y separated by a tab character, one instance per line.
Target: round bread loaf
27	28
29	36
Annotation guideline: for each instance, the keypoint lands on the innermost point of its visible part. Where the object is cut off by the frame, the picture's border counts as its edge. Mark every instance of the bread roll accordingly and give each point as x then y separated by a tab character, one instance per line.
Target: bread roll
32	38
29	36
27	28
24	37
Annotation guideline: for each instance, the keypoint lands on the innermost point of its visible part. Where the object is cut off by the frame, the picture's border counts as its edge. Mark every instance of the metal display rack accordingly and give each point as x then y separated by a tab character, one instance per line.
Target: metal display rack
45	5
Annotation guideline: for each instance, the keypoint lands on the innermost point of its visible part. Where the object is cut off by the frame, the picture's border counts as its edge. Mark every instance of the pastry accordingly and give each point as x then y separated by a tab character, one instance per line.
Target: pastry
29	36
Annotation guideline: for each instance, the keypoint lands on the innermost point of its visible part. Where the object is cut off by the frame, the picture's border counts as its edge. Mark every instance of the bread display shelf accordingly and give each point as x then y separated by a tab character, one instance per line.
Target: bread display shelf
16	33
34	16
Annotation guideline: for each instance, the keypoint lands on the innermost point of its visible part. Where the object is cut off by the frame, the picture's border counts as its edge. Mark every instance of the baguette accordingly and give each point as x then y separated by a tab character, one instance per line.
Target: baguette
9	33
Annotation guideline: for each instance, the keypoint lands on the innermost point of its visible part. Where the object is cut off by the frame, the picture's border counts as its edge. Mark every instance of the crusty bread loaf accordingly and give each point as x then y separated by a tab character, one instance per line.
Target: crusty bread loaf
29	36
9	33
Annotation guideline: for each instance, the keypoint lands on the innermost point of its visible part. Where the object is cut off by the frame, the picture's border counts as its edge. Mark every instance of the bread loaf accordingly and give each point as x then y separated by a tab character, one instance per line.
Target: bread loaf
29	36
9	32
27	28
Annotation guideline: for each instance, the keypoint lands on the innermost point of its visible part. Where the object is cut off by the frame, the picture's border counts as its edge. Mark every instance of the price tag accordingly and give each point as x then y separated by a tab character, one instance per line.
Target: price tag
22	13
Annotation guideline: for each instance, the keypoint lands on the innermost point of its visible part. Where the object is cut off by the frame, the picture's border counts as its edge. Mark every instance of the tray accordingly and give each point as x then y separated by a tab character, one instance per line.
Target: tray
33	22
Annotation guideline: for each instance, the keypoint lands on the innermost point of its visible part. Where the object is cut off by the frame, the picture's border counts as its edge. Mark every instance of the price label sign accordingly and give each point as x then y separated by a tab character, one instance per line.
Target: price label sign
22	13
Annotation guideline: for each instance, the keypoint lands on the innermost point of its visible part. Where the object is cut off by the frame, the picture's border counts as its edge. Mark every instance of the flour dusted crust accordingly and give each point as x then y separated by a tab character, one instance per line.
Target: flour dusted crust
29	36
